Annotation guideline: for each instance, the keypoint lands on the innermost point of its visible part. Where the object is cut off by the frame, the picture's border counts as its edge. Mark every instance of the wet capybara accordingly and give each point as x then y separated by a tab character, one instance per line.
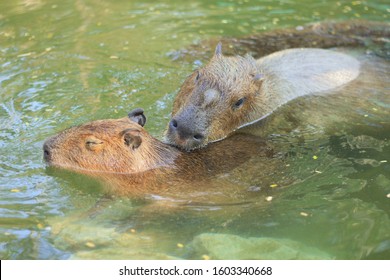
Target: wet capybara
124	155
232	92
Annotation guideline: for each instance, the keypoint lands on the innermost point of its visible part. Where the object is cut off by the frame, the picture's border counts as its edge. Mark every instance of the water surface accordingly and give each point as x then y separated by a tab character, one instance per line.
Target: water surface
65	63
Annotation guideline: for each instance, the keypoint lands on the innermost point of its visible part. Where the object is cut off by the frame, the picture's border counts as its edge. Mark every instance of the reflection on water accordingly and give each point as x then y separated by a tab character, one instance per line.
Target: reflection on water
323	194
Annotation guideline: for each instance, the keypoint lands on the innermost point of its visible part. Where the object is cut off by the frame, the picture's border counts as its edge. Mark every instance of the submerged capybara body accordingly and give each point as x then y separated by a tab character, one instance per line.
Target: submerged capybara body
370	35
232	92
124	155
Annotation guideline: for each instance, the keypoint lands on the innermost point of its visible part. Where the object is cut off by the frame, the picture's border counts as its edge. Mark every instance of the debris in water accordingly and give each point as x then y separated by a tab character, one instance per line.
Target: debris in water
90	244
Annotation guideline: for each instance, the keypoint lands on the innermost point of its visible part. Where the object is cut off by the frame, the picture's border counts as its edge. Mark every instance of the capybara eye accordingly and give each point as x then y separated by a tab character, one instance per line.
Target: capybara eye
239	103
93	143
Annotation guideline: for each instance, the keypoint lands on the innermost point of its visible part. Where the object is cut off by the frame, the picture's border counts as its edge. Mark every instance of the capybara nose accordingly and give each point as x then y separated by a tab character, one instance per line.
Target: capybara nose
191	136
46	152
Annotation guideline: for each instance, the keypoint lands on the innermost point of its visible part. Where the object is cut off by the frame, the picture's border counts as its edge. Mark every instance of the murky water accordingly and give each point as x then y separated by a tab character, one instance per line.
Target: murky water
64	63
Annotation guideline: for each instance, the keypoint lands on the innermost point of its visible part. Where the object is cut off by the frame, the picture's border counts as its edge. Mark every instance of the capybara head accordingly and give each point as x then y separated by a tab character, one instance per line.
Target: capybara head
113	145
216	100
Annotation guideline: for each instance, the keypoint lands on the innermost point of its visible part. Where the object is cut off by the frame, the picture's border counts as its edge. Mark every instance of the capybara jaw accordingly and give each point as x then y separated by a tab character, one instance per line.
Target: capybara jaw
183	144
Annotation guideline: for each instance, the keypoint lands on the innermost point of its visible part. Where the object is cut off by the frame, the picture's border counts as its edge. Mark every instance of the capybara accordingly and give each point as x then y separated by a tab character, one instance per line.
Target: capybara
231	92
123	154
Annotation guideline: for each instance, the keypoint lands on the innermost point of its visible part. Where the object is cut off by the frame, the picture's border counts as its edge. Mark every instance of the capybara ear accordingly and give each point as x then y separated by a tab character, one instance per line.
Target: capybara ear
218	49
132	138
137	115
93	144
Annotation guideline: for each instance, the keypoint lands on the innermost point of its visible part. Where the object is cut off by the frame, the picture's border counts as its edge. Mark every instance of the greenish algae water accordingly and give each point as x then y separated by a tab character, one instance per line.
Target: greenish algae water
65	63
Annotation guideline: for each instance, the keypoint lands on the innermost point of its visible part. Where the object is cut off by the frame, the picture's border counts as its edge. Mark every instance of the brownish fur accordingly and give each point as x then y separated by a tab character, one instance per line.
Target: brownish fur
231	92
152	166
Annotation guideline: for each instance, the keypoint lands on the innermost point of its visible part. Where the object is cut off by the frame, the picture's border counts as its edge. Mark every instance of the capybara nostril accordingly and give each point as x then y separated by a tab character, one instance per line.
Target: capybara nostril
174	123
46	152
198	137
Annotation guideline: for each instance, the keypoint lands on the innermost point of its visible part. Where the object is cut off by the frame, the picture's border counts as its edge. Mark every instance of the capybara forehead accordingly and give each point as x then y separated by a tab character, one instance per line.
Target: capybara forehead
225	74
109	127
229	67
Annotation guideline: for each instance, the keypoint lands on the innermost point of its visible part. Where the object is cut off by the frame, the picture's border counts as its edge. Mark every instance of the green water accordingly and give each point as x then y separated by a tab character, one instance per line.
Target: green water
68	62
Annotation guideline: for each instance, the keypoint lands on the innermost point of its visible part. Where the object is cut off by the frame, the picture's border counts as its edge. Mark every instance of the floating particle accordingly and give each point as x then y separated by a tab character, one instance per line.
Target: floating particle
347	9
269	198
273	185
114	57
205	257
304	214
383	161
90	244
15	190
40	226
133	230
317	171
388	195
24	54
180	245
315	157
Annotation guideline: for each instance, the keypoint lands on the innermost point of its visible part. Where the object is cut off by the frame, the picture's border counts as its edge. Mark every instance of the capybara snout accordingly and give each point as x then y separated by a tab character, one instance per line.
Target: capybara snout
187	129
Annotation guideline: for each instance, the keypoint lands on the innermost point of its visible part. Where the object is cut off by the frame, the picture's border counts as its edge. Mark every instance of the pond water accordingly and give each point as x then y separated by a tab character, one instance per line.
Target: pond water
68	62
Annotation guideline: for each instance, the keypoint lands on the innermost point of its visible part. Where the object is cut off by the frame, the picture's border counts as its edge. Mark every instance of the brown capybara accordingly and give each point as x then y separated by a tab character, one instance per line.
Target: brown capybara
124	155
232	92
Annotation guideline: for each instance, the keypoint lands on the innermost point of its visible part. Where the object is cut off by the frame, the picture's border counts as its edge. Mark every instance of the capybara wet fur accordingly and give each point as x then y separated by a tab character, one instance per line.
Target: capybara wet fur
122	153
231	92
